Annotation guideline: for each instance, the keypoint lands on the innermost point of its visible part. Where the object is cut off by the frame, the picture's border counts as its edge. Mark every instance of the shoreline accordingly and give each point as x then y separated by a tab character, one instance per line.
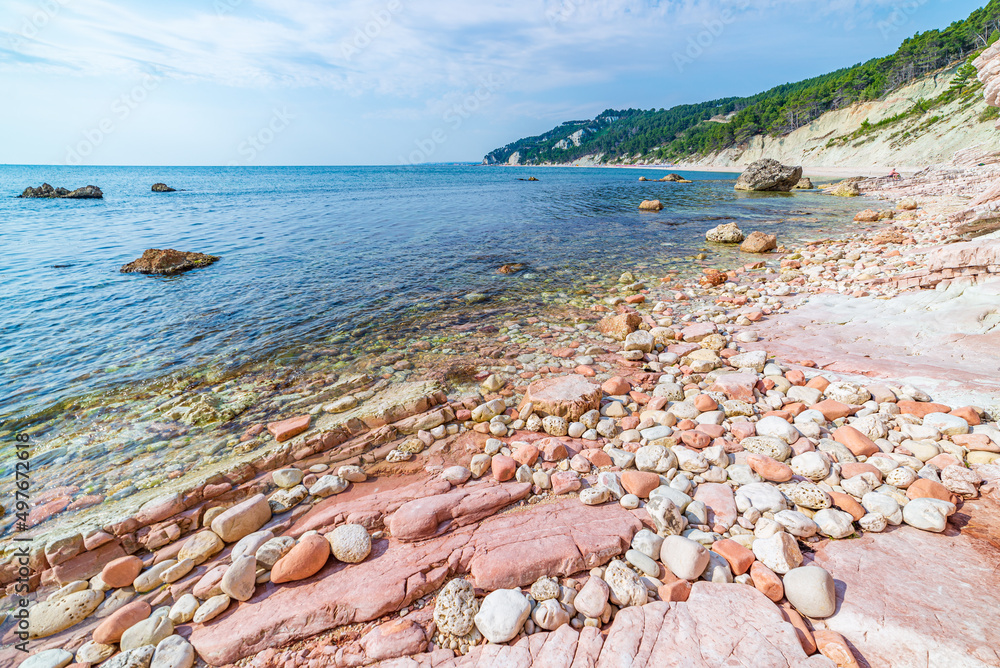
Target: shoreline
773	292
808	171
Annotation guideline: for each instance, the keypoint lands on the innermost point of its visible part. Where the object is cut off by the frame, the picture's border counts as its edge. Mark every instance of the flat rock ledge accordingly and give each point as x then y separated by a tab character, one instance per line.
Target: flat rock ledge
46	191
167	262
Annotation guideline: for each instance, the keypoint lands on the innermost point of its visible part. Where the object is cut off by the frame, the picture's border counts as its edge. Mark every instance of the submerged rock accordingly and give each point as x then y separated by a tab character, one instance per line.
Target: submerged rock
768	174
167	262
163	188
677	178
47	191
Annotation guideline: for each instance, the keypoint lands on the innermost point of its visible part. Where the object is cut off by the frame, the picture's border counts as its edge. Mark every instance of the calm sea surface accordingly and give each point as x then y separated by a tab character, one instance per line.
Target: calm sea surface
308	253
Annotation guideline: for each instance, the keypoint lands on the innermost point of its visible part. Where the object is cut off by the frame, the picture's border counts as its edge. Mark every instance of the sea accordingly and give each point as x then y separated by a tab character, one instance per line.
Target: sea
310	254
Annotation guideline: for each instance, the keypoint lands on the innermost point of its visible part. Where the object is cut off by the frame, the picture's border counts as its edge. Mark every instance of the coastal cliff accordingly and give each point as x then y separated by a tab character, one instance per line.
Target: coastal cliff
909	109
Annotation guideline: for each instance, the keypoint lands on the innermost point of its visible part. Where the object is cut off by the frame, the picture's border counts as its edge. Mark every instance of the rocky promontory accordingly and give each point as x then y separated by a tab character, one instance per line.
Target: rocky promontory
47	191
167	262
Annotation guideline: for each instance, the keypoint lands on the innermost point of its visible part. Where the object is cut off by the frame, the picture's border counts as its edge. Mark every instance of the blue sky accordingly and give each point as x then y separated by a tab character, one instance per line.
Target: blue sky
323	82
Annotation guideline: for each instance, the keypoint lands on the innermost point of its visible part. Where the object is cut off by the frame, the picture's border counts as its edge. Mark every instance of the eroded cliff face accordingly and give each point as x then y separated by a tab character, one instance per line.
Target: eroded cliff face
910	144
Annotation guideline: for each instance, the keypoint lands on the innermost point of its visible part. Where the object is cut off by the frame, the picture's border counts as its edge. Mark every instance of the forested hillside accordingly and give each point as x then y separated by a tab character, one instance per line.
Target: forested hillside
699	129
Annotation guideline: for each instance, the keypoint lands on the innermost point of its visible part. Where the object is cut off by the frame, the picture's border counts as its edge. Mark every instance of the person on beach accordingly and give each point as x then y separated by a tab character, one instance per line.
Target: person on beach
894	175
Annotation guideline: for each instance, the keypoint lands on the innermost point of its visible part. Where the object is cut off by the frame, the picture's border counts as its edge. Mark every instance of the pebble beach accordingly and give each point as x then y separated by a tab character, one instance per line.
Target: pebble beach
620	480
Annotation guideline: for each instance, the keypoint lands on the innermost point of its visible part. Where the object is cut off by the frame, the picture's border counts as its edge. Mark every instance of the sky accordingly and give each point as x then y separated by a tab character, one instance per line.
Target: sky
387	82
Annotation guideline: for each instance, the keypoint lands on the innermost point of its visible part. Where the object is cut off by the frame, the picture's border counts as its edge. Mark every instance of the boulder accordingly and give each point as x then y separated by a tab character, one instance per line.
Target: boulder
727	233
844	189
768	174
759	242
651	205
803	184
163	188
167	262
47	191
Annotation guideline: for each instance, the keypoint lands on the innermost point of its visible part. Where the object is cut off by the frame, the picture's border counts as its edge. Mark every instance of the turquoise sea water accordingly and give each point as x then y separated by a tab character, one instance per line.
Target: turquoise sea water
308	253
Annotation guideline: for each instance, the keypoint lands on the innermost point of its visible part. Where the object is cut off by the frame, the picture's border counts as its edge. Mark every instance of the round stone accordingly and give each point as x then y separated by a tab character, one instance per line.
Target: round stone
834	523
502	615
211	609
121	572
810	589
48	658
592	599
183	610
928	513
305	559
240	579
173	652
111	629
594	496
625	584
51	617
778	552
687	559
93	652
147	632
350	543
550	615
287	478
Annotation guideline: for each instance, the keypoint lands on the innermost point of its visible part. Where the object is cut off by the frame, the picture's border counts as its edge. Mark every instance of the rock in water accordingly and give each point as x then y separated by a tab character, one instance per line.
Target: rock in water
768	174
651	205
167	262
163	188
729	233
758	242
804	184
846	188
677	178
47	191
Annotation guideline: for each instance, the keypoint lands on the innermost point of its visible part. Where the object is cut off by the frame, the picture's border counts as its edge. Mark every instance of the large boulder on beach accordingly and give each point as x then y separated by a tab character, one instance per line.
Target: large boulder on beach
167	262
768	174
728	233
47	191
163	188
758	242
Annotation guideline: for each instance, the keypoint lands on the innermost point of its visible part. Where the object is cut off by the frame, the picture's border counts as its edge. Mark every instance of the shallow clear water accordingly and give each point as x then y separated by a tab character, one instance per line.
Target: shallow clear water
310	252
